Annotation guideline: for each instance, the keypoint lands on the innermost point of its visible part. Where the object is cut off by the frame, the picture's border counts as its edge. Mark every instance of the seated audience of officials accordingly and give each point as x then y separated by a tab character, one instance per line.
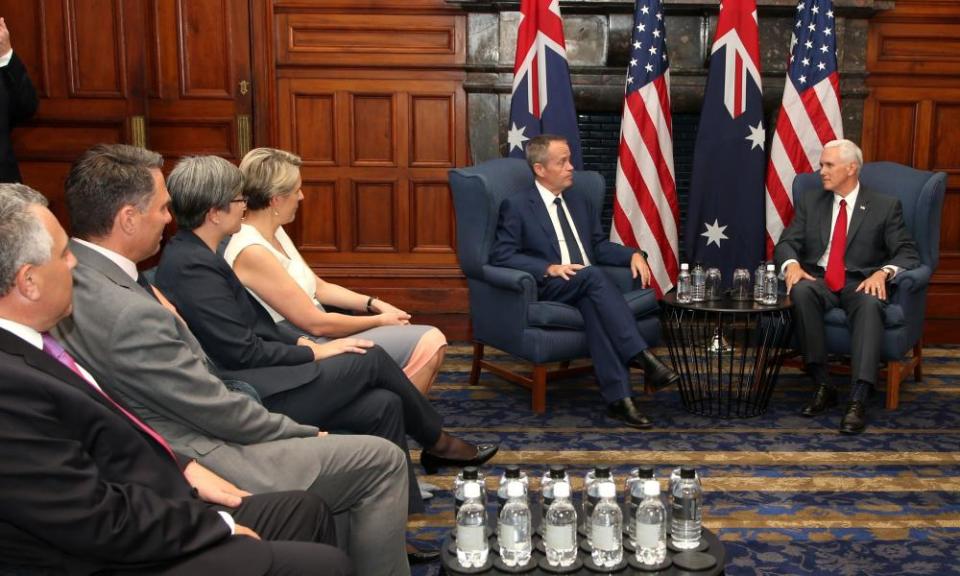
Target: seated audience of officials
86	486
272	269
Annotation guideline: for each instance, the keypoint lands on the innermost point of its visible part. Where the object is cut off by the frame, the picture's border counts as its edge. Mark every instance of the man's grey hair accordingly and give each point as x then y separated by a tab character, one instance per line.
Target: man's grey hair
199	183
102	181
538	146
23	237
849	151
267	173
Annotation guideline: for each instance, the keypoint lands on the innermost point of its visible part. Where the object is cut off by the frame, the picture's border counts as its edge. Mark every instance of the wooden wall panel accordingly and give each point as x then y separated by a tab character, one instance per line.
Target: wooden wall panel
432	125
321	232
375	207
911	116
318	146
429	233
96	48
373	137
205	48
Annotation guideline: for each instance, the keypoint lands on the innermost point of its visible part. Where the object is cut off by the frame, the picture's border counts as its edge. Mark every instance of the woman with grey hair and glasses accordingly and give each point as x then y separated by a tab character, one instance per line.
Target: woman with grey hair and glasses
272	269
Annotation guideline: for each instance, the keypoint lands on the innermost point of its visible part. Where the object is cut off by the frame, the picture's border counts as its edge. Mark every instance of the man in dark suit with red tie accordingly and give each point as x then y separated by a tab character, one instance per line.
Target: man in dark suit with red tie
843	245
86	487
555	235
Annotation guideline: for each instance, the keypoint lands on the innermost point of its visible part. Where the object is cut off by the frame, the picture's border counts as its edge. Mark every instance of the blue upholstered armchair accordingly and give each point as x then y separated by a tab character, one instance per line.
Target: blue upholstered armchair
921	194
504	309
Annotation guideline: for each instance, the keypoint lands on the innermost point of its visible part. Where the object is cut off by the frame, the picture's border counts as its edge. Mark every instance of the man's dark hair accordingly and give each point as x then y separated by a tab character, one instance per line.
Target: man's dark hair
103	180
537	148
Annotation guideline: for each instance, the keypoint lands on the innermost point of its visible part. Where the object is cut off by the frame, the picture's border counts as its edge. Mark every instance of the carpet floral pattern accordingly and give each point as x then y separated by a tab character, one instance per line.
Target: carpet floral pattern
786	494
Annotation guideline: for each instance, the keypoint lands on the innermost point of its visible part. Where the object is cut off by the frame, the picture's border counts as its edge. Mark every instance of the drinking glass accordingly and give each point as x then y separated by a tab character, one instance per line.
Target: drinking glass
714	287
741	285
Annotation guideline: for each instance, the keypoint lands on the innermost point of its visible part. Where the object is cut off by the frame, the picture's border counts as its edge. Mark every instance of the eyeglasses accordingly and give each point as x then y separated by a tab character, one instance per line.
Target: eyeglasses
239	199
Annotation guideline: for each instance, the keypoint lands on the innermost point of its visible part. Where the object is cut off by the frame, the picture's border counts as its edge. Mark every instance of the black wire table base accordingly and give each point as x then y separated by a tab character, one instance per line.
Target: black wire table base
728	353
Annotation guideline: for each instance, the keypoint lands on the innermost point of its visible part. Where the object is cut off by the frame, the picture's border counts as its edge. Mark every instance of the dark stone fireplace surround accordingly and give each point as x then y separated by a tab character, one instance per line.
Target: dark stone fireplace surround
598	34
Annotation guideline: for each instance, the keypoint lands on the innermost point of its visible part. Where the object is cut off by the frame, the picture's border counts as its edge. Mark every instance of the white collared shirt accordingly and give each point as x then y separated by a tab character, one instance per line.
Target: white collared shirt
35	339
548	197
125	264
6	58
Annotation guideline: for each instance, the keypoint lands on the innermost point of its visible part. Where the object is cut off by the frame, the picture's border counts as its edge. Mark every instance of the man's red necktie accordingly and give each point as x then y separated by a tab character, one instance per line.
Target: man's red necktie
836	272
53	348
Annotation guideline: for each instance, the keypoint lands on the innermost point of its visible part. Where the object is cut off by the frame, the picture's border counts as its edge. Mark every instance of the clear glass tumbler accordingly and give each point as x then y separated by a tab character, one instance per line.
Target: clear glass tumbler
714	286
741	290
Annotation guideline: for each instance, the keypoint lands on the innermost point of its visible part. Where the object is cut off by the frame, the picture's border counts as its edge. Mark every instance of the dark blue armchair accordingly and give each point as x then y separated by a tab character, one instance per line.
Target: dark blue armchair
504	310
921	194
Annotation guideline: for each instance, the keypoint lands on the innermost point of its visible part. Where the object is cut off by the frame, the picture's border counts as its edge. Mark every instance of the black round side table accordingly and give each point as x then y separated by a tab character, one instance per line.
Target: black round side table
728	353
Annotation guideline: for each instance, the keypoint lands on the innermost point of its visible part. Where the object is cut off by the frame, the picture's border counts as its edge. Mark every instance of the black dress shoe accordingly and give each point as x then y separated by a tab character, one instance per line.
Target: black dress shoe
431	463
658	375
422	556
628	412
826	397
855	420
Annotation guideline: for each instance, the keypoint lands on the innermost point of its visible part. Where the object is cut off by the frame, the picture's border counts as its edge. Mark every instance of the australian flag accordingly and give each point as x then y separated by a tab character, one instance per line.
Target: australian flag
542	101
725	211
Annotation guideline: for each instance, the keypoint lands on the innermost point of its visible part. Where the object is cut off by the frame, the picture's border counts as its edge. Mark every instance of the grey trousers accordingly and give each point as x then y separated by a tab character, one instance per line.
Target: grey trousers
363	479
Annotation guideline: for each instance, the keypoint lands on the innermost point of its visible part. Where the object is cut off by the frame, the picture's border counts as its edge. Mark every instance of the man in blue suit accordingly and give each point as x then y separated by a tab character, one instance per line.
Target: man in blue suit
556	236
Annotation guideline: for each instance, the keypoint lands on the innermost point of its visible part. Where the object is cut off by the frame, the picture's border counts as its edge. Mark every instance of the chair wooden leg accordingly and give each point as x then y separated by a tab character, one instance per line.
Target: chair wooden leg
539	388
475	367
894	376
918	358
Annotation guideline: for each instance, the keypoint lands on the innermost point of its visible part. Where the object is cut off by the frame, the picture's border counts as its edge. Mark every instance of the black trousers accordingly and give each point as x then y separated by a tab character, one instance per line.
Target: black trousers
812	299
365	394
297	534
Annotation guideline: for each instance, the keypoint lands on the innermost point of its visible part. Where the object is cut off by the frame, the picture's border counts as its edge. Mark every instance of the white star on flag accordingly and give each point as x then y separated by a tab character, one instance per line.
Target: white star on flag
516	138
714	233
757	135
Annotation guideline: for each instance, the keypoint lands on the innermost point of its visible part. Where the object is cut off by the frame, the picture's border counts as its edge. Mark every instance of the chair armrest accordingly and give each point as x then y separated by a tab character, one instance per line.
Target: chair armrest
913	280
622	278
511	279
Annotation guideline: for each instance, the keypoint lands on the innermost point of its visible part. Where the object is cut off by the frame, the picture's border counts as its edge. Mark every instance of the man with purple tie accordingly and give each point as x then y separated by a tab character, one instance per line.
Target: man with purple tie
87	487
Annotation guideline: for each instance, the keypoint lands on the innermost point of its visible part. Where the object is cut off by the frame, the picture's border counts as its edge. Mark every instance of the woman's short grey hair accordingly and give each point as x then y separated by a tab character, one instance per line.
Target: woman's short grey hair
849	151
199	183
267	173
23	237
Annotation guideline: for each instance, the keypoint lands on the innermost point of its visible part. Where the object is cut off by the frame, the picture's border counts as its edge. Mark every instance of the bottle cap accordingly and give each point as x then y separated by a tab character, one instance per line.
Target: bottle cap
558	471
561	490
470	473
471	490
651	488
607	490
770	268
645	472
688	472
514	489
512	471
684	266
601	472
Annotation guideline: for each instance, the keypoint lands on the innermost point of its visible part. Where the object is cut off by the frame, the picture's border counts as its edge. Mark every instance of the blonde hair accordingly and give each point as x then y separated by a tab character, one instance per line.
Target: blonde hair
267	173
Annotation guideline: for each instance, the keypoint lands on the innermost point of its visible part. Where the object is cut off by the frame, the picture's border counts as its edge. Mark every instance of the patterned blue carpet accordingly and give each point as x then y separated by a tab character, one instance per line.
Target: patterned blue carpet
786	494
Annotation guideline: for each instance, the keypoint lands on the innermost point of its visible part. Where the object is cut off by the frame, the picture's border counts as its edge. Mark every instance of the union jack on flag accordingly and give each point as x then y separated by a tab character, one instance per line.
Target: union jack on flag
645	210
542	101
810	113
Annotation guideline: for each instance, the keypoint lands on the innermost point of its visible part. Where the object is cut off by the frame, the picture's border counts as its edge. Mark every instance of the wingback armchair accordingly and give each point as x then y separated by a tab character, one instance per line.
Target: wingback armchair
921	194
504	309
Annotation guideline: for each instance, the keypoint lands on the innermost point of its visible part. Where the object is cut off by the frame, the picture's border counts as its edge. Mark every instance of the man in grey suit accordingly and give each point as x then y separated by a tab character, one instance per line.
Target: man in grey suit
844	243
144	355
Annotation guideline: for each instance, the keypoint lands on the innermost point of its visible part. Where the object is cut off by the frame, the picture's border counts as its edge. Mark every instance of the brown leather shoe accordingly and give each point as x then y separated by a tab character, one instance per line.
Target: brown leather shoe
626	411
826	397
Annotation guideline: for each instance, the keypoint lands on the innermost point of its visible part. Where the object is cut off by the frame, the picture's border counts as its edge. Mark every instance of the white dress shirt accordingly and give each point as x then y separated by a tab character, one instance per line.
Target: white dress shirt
548	197
6	58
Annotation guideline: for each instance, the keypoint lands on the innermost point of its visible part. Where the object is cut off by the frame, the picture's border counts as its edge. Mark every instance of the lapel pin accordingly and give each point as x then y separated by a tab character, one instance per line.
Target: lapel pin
862	207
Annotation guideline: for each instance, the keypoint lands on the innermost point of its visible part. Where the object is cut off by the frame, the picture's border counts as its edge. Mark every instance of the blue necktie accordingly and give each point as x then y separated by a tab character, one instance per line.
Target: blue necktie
568	236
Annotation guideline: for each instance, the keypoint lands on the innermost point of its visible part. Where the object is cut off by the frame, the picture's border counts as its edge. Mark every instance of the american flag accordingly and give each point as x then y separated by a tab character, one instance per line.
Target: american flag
725	209
810	114
542	101
645	210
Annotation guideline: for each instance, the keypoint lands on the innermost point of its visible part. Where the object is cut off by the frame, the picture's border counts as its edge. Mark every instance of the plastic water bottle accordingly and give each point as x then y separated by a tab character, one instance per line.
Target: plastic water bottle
684	285
511	473
770	285
514	527
651	526
472	546
699	279
758	277
556	473
468	474
606	527
591	493
560	527
687	501
633	494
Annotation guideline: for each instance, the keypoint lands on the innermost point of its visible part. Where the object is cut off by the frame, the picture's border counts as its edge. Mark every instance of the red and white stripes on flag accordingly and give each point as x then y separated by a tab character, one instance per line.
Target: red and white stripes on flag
809	115
646	213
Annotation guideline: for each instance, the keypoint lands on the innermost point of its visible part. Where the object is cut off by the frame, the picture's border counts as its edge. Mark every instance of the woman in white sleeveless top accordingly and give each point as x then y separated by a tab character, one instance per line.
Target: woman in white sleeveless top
271	268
